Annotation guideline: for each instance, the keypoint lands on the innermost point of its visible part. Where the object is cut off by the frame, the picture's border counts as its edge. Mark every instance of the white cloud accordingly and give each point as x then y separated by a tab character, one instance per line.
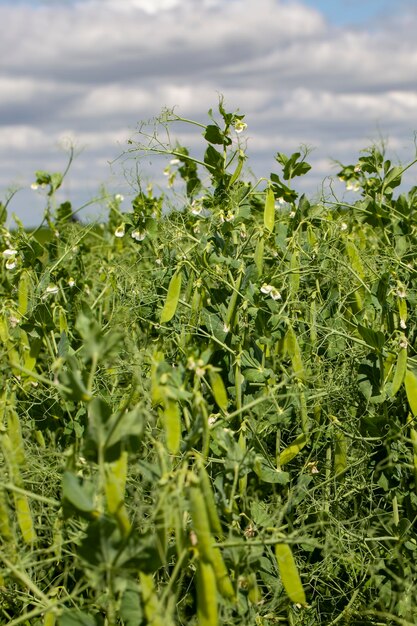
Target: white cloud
92	70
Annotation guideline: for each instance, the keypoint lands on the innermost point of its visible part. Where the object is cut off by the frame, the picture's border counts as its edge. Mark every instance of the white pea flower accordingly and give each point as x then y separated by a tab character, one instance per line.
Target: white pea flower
14	321
138	235
343	226
71	282
119	197
11	258
9	253
51	289
403	324
357	168
271	291
34	186
174	161
196	207
352	186
401	292
240	126
266	288
291	214
120	231
275	294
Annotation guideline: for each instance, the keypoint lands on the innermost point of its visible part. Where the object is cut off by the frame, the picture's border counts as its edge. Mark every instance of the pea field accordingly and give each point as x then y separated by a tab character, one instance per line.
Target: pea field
209	397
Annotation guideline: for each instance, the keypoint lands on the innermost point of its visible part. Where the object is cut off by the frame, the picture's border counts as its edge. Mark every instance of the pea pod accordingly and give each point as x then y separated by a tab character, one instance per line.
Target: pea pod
23	293
410	382
200	521
259	255
21	502
218	389
289	574
294	352
295	273
49	619
231	309
15	436
402	311
269	210
115	482
340	454
172	299
207	610
208	495
24	518
151	605
400	371
172	423
293	449
207	551
6	533
313	321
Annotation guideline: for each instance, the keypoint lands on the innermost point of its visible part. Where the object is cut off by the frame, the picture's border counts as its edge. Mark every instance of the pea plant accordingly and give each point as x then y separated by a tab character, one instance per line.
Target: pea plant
208	414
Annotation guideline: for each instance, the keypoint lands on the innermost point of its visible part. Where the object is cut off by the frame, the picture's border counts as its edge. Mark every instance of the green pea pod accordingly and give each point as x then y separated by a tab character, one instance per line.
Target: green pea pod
207	491
207	550
237	171
231	309
6	533
269	210
24	518
293	449
259	255
200	521
207	610
295	273
289	574
172	299
294	352
402	311
411	390
355	259
115	482
23	293
15	435
218	388
340	454
400	371
172	423
151	605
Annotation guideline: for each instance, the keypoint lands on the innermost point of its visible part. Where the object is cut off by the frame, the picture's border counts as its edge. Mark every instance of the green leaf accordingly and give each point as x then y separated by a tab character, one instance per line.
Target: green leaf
78	494
268	474
214	160
130	424
375	339
213	134
74	617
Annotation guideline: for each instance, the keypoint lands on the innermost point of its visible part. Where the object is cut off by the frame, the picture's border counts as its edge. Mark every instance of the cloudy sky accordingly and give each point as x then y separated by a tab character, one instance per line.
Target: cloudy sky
335	75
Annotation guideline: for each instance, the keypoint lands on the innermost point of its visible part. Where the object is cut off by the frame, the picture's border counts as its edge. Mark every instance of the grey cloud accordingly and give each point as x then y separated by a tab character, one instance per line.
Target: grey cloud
92	71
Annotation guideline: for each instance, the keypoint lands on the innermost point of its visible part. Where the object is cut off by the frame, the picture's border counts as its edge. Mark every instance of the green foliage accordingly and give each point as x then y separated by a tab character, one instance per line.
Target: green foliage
209	411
